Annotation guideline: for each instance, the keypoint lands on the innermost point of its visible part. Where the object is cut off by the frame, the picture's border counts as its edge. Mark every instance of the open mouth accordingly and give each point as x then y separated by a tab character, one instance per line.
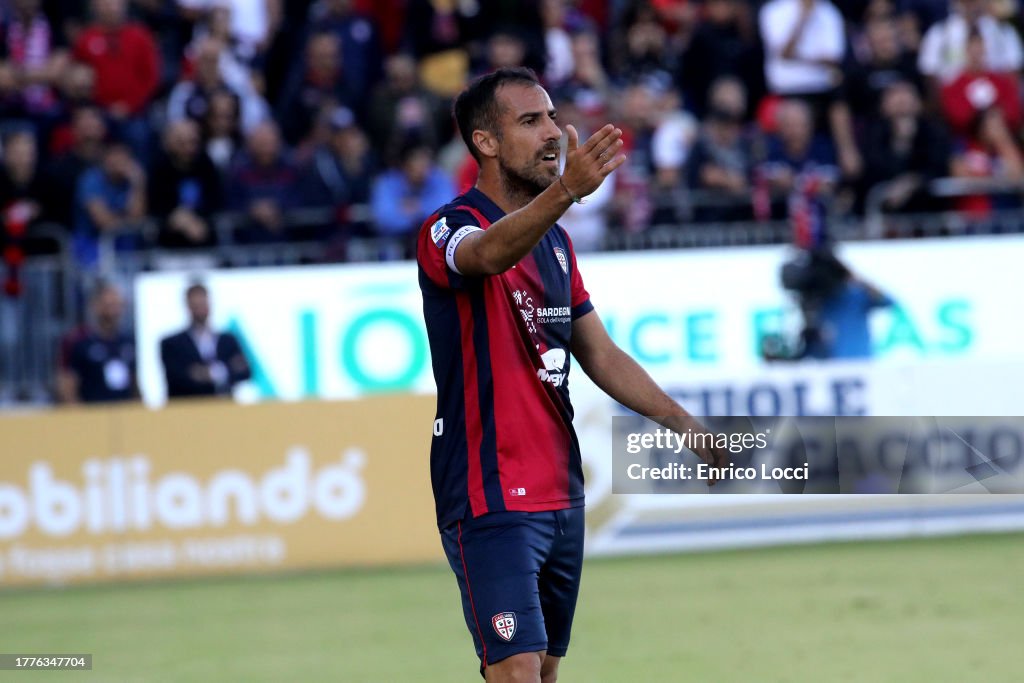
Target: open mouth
550	158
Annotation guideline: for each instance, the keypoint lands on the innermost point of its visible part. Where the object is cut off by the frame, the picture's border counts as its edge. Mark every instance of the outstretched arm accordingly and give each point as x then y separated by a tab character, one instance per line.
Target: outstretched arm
507	241
622	378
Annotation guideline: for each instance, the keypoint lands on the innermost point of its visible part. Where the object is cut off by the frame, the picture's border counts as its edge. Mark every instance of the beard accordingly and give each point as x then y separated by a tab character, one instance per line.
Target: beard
524	183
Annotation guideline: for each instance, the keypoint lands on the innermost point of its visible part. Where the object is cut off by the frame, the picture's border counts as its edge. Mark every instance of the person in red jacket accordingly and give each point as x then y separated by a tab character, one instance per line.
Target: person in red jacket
978	90
124	56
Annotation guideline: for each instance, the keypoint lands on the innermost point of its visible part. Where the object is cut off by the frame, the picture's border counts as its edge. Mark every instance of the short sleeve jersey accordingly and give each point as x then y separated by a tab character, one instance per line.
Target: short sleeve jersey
500	344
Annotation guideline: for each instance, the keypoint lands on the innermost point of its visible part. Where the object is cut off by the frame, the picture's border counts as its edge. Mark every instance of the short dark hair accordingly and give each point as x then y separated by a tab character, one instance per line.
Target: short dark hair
101	287
476	107
196	288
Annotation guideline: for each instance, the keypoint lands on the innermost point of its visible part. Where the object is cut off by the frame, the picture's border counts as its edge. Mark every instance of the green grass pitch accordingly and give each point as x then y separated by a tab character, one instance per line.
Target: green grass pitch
905	611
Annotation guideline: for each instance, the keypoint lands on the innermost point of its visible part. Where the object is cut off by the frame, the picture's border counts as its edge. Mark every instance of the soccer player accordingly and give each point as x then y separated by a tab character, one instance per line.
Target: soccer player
505	306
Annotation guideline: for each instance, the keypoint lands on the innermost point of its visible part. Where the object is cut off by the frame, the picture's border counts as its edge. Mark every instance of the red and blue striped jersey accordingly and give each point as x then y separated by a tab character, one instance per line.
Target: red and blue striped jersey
499	345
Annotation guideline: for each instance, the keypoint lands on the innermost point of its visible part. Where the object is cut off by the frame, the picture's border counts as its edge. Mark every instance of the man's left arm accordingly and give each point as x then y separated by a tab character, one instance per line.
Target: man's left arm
622	378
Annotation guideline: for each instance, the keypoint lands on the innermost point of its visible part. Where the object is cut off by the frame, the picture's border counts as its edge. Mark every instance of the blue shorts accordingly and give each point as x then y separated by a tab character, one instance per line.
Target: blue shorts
519	575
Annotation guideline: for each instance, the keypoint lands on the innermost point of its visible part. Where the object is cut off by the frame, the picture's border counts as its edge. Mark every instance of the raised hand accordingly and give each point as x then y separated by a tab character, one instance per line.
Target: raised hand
588	165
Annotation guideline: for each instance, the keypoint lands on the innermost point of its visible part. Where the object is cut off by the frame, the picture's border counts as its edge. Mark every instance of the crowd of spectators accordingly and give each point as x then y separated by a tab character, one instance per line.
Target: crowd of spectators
177	111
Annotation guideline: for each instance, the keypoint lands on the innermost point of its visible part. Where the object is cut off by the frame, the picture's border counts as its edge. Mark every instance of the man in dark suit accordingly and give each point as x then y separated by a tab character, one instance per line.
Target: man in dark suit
199	361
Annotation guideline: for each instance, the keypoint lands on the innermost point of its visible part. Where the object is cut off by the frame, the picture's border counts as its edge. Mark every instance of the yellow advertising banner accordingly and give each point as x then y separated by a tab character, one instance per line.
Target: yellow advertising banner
98	494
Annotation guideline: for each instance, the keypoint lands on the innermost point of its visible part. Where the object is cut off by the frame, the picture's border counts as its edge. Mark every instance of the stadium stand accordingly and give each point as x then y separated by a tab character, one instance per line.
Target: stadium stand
249	133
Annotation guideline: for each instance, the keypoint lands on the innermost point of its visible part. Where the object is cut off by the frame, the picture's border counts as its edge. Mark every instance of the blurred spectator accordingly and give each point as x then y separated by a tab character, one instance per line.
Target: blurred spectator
361	55
917	16
21	197
199	361
215	25
340	174
88	131
11	106
724	43
588	79
979	89
438	41
184	189
639	117
68	17
318	83
673	140
77	85
557	42
504	50
858	14
720	162
905	150
804	43
22	189
641	47
587	223
97	361
222	130
215	72
677	16
110	199
797	164
885	63
124	56
861	14
36	54
252	23
795	148
170	31
439	25
404	196
263	185
990	152
943	54
401	109
518	18
983	109
285	45
391	19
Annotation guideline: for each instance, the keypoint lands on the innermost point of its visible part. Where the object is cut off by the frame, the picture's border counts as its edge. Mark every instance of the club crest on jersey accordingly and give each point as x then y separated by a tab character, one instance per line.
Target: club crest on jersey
562	260
504	624
439	232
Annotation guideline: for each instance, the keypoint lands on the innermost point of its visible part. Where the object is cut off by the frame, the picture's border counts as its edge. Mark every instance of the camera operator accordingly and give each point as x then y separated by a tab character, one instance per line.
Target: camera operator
835	304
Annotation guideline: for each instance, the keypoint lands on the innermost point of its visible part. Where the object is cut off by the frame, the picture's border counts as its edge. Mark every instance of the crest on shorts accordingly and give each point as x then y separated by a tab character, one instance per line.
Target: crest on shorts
562	260
439	232
504	624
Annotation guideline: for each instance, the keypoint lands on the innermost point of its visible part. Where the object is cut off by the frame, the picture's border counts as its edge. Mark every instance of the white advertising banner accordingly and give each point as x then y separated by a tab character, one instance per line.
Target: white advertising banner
348	331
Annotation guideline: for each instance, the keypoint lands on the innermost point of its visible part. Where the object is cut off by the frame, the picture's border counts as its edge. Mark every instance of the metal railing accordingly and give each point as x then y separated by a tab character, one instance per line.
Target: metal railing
881	224
33	322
